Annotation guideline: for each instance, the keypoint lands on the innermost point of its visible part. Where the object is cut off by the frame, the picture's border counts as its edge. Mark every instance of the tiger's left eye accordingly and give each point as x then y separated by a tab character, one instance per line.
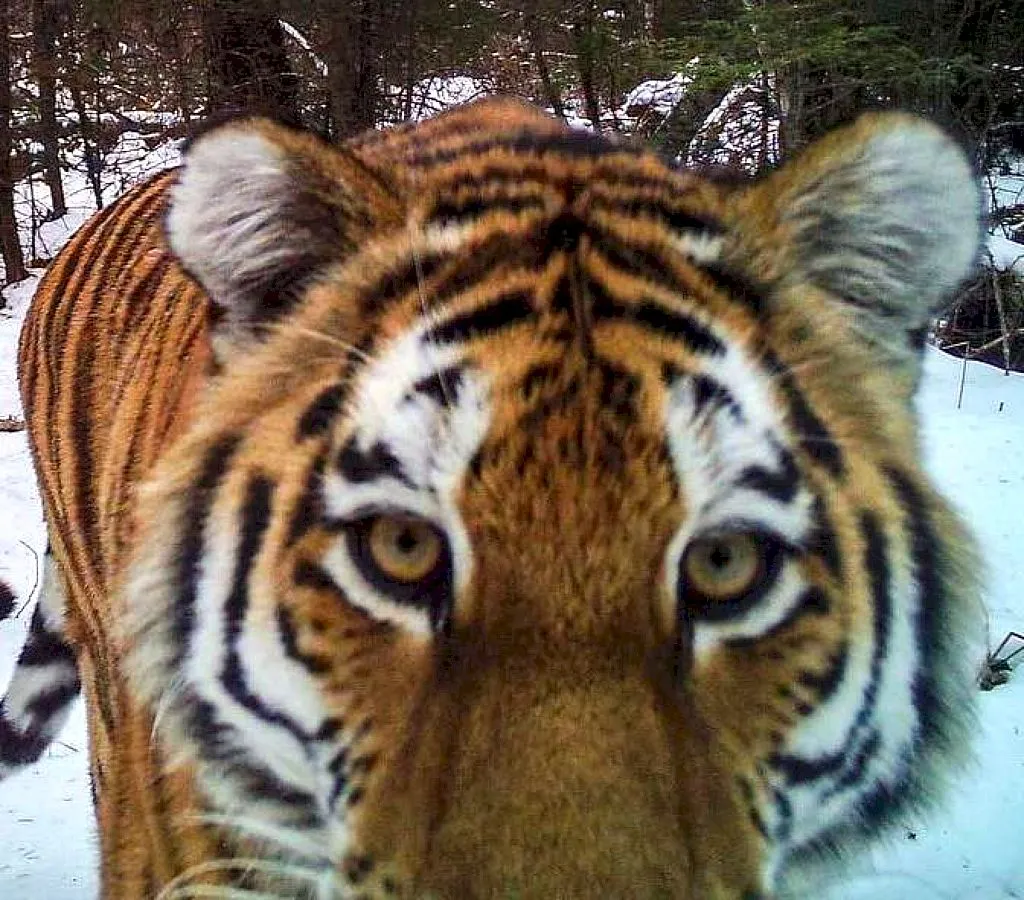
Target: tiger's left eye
722	575
404	550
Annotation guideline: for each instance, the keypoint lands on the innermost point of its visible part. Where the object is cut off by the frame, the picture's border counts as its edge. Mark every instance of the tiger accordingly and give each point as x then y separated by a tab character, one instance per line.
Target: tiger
486	508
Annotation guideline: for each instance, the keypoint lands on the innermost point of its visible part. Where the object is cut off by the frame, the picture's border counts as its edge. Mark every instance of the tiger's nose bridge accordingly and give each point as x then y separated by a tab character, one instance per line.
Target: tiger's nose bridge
562	784
565	583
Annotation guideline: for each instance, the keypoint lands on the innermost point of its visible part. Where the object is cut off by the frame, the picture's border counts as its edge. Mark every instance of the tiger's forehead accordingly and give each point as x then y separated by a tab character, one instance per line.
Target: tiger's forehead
447	395
570	297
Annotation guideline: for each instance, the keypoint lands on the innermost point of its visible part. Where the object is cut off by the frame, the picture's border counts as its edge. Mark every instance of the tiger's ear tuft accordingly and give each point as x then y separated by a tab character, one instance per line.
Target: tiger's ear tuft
884	215
258	211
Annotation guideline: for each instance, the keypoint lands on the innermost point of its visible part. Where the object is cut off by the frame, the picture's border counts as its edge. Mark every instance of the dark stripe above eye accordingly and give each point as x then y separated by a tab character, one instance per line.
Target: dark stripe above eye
321	413
707	392
501	312
781	484
440	386
359	466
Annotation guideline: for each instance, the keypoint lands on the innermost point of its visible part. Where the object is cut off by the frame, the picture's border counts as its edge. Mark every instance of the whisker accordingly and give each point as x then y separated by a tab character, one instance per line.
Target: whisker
330	339
163	704
218	892
242	865
278	837
428	314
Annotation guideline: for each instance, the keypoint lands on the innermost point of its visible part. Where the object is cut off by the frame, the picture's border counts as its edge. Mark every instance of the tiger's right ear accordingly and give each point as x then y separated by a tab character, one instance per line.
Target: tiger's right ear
258	211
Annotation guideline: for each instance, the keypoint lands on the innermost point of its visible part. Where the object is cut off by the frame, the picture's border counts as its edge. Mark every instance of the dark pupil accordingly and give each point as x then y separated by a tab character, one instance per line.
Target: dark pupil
720	556
406	540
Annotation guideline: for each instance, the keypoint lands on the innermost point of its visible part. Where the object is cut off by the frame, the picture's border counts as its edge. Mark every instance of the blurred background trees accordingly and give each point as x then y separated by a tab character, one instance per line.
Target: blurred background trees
735	83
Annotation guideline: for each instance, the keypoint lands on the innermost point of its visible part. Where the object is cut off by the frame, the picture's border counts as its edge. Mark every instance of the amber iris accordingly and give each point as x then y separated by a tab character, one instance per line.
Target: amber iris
723	567
404	549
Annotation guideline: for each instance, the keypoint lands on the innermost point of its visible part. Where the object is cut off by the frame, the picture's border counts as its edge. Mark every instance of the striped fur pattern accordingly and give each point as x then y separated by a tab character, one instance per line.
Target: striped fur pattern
587	380
45	683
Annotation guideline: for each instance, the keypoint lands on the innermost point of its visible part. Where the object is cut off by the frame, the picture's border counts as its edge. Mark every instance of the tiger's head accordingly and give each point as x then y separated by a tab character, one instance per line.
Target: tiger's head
555	525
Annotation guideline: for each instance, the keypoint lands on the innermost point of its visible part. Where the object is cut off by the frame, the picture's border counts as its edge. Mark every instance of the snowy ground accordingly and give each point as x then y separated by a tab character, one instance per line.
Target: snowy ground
970	851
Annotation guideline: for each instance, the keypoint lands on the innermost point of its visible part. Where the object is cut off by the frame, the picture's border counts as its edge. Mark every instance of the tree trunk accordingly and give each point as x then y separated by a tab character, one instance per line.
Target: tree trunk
248	66
10	246
357	45
534	34
90	140
411	9
583	38
45	26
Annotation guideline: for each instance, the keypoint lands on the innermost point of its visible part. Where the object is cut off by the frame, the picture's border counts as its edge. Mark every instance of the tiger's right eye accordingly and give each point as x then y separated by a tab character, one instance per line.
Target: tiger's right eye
406	559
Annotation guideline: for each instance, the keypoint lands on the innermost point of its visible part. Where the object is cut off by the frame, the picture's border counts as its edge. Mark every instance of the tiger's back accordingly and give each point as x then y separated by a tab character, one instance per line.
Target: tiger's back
506	512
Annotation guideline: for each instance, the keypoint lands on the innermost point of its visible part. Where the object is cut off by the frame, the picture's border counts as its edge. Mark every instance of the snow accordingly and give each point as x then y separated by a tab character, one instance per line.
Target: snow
435	94
968	851
1006	254
741	132
660	95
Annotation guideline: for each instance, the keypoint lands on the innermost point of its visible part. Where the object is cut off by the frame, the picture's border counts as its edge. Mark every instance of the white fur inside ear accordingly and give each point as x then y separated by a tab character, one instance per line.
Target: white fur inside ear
227	219
894	227
924	182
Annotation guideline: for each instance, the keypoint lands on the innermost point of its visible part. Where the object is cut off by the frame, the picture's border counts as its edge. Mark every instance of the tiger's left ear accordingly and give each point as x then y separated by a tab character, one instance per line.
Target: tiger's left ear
258	211
884	216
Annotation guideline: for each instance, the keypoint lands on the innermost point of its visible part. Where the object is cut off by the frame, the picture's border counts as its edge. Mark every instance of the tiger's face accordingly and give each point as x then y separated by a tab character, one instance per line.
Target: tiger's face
555	525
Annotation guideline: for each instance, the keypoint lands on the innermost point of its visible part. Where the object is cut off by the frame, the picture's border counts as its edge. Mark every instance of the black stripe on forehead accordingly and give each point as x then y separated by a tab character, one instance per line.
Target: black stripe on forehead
570	144
456	272
441	386
467	209
677	218
675	324
498	174
648	264
497	314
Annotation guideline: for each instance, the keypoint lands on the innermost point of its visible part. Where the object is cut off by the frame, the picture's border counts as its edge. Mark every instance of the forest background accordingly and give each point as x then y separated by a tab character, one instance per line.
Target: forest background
724	83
